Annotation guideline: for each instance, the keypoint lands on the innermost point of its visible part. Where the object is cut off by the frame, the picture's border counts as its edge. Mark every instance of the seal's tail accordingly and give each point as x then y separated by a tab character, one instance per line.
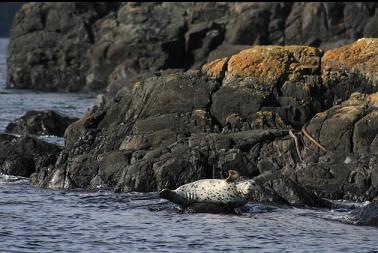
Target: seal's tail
165	194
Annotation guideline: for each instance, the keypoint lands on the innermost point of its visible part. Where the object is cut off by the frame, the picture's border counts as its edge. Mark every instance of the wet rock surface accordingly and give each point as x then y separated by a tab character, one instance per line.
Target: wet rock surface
367	215
90	46
22	156
239	112
40	123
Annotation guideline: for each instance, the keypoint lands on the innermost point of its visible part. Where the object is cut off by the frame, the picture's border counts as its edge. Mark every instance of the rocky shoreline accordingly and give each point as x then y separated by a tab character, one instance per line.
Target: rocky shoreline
235	113
256	109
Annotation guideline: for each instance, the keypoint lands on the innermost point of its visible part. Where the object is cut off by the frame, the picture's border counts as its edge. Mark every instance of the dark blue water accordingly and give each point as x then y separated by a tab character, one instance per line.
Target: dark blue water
40	220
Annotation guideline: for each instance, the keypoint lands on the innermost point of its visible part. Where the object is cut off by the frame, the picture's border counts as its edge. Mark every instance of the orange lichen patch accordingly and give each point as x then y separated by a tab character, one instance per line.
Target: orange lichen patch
307	57
259	62
373	99
271	63
363	55
216	67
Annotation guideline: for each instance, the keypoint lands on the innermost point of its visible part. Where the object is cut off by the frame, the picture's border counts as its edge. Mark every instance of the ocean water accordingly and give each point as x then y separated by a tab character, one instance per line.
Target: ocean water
15	103
43	220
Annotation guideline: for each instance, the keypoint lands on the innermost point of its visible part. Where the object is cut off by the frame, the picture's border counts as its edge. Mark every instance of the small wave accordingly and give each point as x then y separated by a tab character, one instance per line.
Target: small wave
12	179
53	139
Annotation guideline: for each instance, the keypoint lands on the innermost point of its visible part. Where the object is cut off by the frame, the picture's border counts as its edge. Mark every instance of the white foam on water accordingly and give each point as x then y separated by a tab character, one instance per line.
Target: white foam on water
9	179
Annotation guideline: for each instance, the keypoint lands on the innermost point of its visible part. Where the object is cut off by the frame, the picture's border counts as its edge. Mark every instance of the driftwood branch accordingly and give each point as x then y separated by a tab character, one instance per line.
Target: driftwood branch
304	131
296	144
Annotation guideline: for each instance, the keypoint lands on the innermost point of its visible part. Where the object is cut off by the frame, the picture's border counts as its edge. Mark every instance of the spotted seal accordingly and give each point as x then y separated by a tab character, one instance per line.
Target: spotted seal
230	191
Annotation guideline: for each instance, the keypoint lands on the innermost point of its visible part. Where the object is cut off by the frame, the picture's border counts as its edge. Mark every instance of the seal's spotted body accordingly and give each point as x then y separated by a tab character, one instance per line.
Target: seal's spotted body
214	191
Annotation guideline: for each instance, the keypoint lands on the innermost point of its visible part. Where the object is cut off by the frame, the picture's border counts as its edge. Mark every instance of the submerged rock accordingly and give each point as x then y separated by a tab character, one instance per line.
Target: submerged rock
40	123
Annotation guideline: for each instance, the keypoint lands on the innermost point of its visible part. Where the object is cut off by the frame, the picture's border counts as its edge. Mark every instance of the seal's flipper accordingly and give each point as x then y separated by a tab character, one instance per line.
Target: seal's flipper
166	194
172	196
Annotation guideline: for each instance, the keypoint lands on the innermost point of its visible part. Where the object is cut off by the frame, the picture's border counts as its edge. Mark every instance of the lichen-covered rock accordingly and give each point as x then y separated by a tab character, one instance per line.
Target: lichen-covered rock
275	78
352	67
40	123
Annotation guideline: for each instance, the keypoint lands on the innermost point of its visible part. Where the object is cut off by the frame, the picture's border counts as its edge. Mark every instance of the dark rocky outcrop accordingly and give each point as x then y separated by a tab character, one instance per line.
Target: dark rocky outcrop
348	131
276	188
75	46
40	123
49	43
22	156
235	113
367	215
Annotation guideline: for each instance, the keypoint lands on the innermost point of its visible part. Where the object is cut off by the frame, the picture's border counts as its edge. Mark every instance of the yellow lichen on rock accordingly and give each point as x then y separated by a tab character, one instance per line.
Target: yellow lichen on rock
373	99
272	63
216	67
364	52
360	57
259	62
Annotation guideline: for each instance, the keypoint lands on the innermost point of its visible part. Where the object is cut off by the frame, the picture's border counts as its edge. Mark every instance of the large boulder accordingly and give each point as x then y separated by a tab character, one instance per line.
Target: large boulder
22	156
351	68
40	123
349	133
268	78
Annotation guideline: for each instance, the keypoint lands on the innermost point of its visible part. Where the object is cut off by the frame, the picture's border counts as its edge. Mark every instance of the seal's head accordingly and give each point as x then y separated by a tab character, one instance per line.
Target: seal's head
247	187
233	175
